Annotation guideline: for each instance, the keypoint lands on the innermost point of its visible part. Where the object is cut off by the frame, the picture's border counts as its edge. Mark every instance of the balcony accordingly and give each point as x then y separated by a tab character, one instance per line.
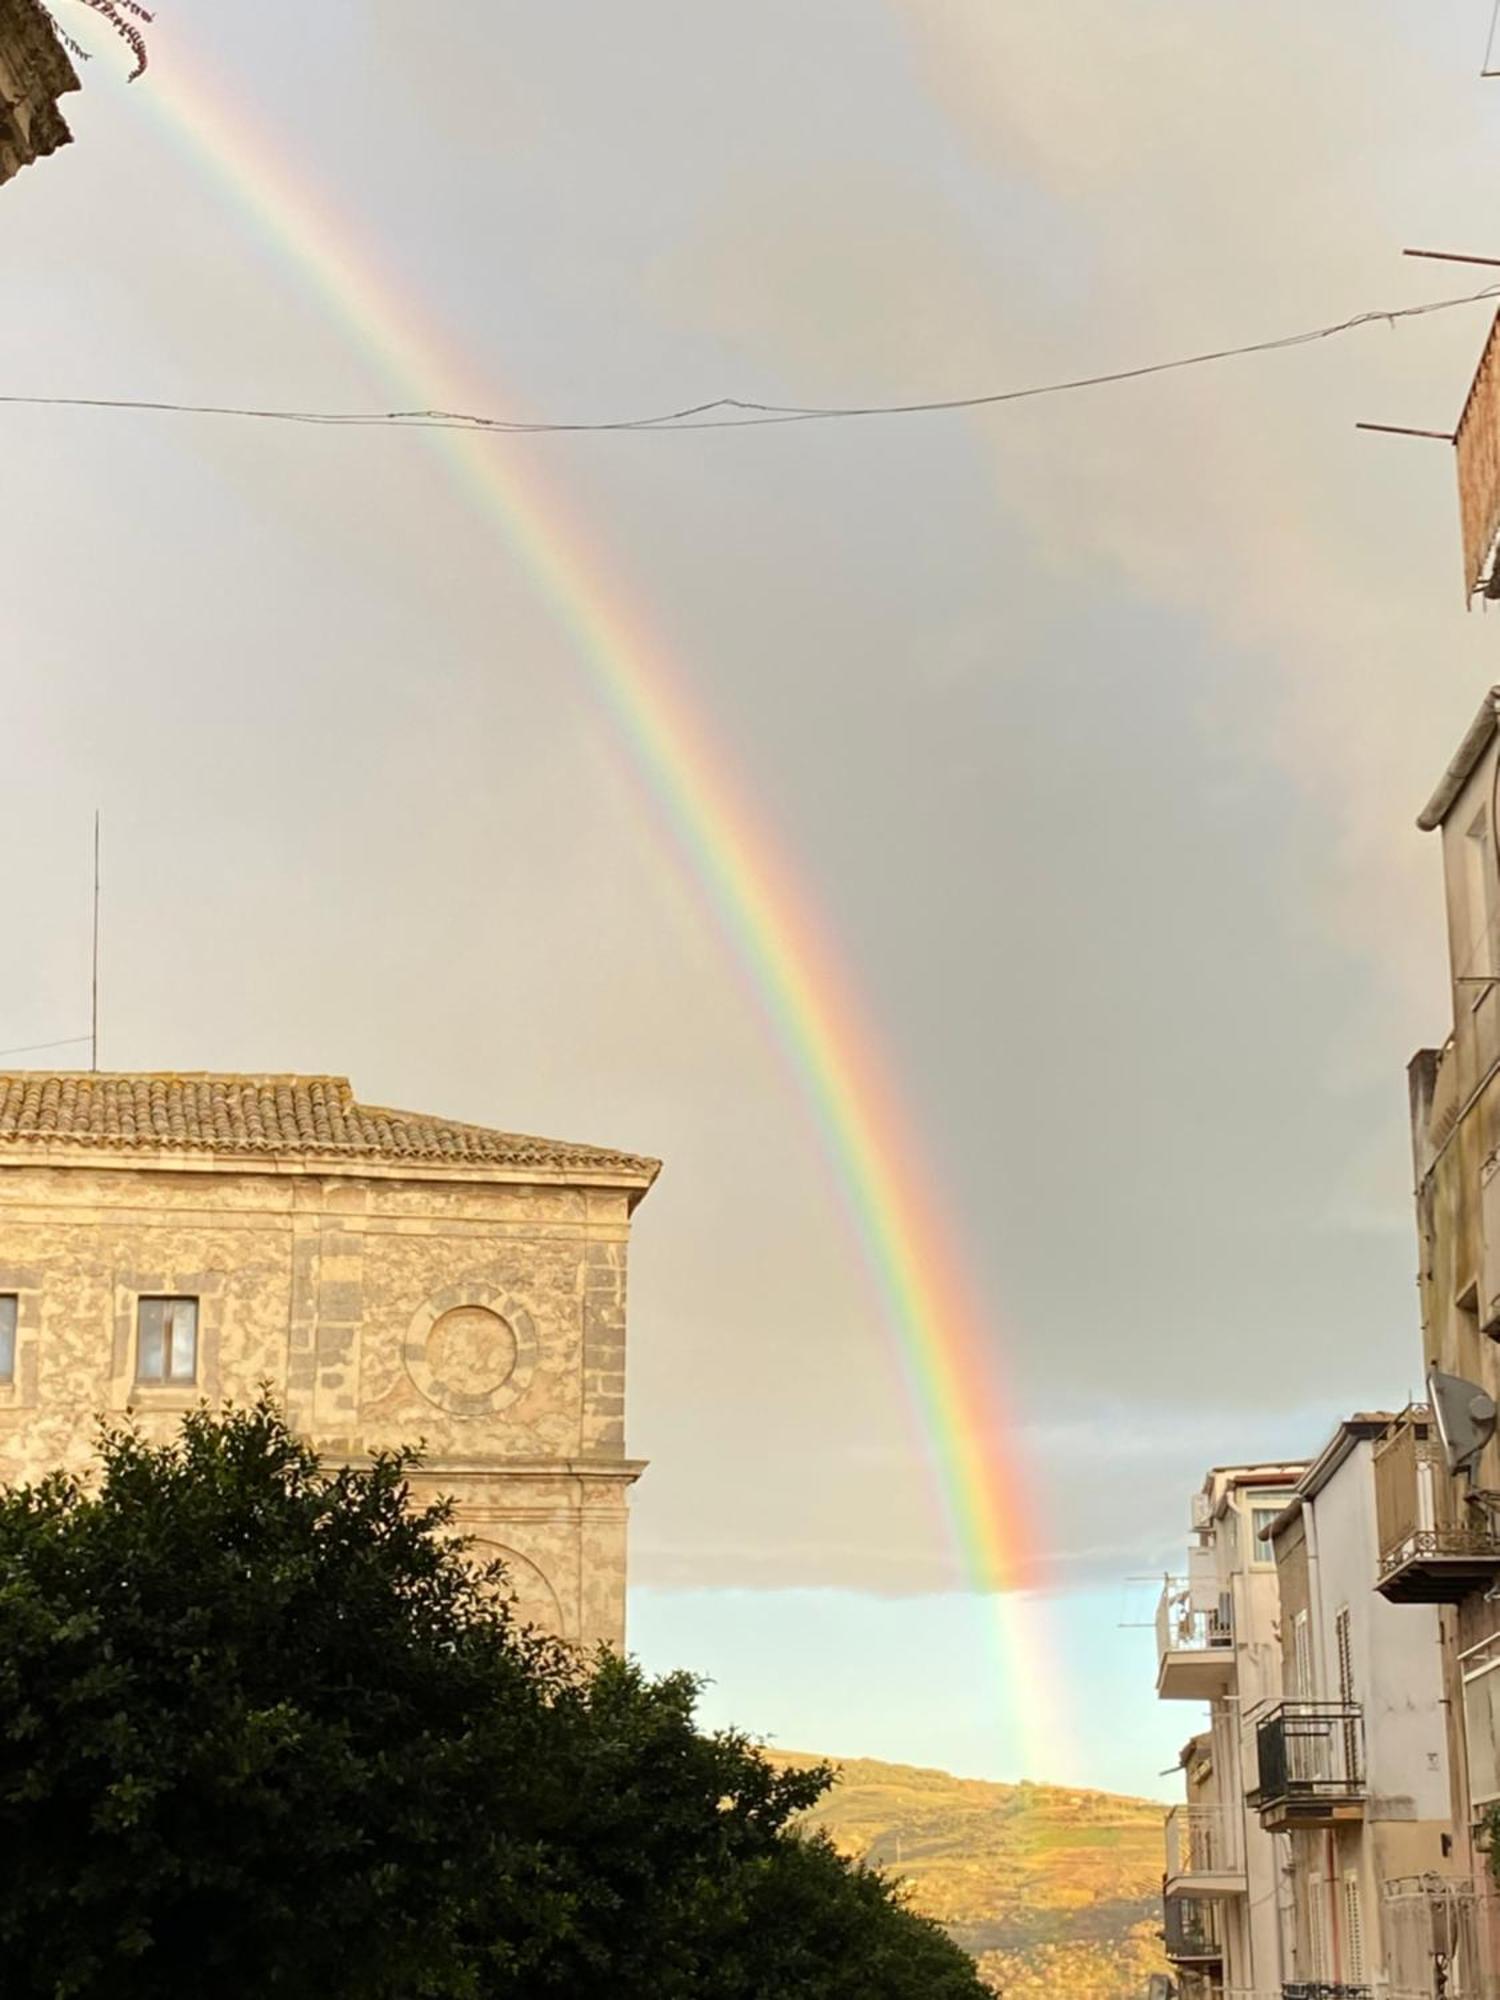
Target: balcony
1431	1926
1311	1758
1319	1989
1194	1649
1478	453
1191	1932
1433	1550
1203	1854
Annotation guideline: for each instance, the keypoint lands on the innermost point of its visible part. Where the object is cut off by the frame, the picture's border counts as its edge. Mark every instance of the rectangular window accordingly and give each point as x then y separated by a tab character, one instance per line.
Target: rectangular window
1482	1732
7	1337
1260	1522
166	1343
1479	886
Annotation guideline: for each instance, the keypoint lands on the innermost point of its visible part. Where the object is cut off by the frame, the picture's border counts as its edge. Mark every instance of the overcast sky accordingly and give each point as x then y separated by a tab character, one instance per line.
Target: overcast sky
1096	725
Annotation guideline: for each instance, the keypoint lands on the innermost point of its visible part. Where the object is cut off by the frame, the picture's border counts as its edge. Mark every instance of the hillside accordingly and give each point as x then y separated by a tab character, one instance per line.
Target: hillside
1056	1892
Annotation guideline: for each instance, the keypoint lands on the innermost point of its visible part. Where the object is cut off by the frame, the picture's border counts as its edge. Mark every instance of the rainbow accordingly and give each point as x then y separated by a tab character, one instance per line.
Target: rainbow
734	862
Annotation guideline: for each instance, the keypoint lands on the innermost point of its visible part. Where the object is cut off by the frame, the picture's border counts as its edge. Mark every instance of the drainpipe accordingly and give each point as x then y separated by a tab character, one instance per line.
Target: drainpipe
1314	1601
1328	1916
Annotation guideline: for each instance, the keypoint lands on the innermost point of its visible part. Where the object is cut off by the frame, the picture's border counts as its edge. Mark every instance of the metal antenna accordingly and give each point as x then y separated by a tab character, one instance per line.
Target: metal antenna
94	1015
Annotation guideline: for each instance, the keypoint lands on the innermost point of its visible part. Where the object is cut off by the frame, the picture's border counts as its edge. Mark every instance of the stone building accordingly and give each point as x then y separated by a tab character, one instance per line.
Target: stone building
391	1276
34	73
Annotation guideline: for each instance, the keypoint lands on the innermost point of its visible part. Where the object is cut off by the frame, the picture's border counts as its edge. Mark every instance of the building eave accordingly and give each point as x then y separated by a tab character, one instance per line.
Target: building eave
324	1166
1464	762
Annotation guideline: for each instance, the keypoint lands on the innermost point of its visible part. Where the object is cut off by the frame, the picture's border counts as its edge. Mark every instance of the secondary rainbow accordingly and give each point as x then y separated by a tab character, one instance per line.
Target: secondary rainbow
733	860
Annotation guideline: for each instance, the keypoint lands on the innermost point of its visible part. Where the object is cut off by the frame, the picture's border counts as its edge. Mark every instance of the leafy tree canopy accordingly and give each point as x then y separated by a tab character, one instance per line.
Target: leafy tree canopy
264	1731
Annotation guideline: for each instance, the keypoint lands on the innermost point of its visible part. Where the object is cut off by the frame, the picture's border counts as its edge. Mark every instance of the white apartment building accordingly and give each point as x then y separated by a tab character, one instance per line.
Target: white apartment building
1351	1763
1218	1642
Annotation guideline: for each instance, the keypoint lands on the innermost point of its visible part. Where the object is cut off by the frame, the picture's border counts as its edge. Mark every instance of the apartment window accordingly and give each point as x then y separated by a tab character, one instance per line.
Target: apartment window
1302	1668
166	1341
7	1337
1260	1522
1479	886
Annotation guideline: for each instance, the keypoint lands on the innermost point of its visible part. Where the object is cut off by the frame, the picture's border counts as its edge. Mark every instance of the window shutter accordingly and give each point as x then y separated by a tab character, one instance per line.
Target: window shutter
1351	1773
1354	1932
1315	1942
1346	1656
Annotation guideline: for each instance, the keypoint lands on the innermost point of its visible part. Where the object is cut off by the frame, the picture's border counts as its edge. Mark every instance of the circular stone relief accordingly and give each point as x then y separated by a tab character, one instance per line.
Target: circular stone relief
471	1350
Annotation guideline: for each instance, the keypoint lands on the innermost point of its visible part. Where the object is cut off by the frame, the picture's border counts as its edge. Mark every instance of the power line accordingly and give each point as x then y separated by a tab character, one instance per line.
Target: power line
735	412
31	1048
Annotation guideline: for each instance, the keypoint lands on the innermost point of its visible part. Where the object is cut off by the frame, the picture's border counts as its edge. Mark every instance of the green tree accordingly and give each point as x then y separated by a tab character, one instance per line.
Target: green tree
263	1731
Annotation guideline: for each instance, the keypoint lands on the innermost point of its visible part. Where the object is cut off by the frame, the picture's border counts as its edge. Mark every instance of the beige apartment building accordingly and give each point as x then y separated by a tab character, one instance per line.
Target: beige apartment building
1217	1643
1439	1522
1353	1760
392	1276
34	73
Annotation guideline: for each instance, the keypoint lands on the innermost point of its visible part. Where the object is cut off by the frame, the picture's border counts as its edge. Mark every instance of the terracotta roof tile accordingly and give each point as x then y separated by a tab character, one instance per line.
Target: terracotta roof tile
282	1115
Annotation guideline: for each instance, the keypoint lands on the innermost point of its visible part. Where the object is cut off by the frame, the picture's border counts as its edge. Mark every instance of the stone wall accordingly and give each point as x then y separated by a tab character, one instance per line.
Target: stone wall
485	1319
34	73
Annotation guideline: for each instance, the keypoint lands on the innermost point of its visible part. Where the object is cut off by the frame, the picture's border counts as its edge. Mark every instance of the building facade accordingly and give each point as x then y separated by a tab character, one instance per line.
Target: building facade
1353	1760
1218	1643
34	73
1439	1528
392	1277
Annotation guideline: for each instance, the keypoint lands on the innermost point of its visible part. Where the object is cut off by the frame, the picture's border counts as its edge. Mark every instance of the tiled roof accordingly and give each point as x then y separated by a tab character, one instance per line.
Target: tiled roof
34	73
268	1115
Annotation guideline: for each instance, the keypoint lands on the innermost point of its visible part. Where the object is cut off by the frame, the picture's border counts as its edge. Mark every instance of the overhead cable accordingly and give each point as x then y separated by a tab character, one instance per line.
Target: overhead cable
31	1048
736	412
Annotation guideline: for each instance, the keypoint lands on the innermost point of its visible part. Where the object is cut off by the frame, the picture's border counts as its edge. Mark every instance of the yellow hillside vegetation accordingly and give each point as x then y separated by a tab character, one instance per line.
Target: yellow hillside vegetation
1055	1892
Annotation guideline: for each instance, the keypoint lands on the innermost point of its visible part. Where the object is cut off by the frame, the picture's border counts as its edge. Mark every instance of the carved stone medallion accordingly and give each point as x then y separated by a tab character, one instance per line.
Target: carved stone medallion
471	1351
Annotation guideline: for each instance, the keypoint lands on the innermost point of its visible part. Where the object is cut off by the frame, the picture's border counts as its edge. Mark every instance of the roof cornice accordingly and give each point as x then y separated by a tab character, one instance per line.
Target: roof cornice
1465	758
211	1122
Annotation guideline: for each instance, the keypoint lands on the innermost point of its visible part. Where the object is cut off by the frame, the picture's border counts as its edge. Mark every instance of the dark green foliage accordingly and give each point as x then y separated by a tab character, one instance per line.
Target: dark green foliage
262	1732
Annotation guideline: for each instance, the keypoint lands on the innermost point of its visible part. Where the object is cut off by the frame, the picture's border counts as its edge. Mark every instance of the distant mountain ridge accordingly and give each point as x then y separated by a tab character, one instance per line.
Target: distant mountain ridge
1056	1892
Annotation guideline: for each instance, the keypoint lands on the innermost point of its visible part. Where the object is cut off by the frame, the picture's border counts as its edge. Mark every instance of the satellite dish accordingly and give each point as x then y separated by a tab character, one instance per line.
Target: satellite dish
1466	1418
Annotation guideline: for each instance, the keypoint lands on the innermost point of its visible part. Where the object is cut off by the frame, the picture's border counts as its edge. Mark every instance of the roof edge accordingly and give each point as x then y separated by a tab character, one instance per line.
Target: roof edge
1465	758
309	1142
1362	1428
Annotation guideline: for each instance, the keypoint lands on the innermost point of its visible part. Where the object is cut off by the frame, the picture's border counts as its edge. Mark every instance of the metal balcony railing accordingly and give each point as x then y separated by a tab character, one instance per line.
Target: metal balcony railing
1311	1759
1201	1841
1321	1989
1431	1926
1433	1550
1191	1931
1181	1629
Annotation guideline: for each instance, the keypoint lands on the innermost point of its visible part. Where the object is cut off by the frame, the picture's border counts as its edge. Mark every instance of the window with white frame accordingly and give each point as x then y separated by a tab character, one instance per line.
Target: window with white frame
1261	1518
166	1341
1481	1679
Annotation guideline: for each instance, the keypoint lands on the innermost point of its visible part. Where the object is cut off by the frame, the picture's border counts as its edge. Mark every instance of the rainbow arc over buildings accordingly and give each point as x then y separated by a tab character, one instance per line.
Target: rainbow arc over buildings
941	1342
